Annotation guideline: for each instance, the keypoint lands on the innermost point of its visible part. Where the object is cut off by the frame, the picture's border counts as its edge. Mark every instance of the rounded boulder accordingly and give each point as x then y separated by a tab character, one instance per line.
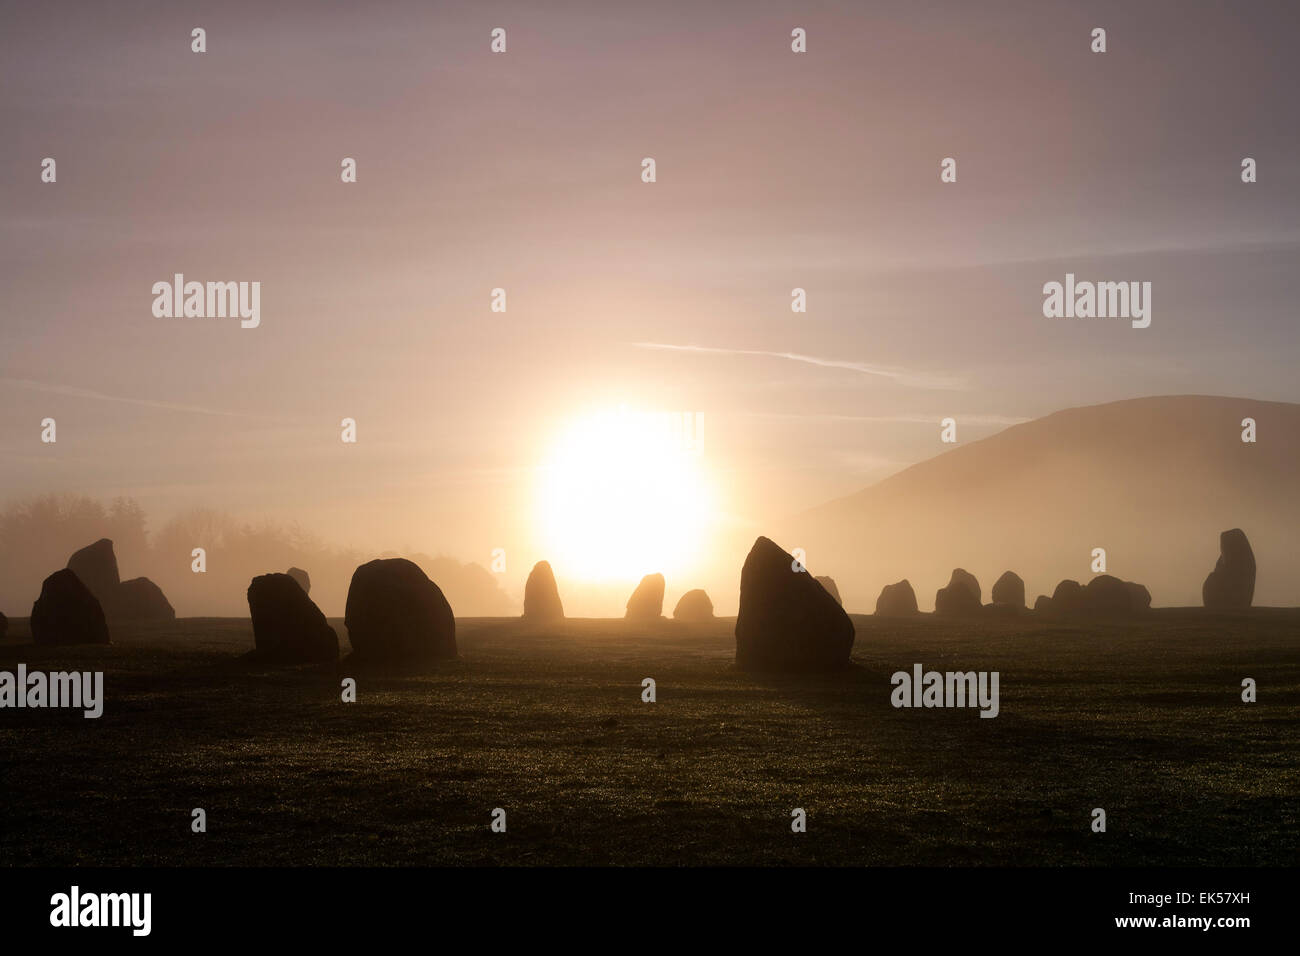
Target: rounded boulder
396	615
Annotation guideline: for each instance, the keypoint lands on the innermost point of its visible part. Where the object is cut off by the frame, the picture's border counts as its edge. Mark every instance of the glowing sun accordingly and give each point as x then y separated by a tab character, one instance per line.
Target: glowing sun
624	493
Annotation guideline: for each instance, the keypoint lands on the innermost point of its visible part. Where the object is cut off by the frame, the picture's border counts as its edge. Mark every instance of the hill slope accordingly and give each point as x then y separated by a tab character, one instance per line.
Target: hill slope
1151	480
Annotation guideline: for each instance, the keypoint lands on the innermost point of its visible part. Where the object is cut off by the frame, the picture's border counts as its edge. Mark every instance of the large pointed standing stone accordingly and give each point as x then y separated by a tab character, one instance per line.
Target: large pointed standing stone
541	595
96	566
288	627
787	621
396	615
647	601
138	599
1231	585
67	613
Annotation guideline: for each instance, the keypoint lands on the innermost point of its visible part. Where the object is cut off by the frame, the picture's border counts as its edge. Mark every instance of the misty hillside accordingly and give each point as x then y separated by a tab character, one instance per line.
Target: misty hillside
1151	480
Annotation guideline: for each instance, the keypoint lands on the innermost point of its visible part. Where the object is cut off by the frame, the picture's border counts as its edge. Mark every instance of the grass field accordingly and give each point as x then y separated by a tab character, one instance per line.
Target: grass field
1144	720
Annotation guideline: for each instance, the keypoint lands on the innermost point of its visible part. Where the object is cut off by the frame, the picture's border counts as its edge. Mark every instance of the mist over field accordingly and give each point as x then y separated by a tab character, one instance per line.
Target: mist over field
1152	481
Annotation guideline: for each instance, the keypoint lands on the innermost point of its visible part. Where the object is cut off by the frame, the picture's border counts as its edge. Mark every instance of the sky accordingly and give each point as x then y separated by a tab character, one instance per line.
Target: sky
522	170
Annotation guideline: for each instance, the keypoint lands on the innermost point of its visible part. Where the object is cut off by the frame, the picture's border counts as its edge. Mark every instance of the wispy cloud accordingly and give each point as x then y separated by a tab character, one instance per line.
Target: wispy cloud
899	375
992	420
74	392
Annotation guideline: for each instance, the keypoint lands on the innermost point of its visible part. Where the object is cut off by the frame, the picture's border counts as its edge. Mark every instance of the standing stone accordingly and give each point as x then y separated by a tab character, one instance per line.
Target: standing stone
1139	596
396	615
647	601
1231	585
1107	595
67	612
303	579
1009	589
1068	597
787	621
694	606
96	566
139	599
829	584
541	596
1103	596
288	627
897	600
961	596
